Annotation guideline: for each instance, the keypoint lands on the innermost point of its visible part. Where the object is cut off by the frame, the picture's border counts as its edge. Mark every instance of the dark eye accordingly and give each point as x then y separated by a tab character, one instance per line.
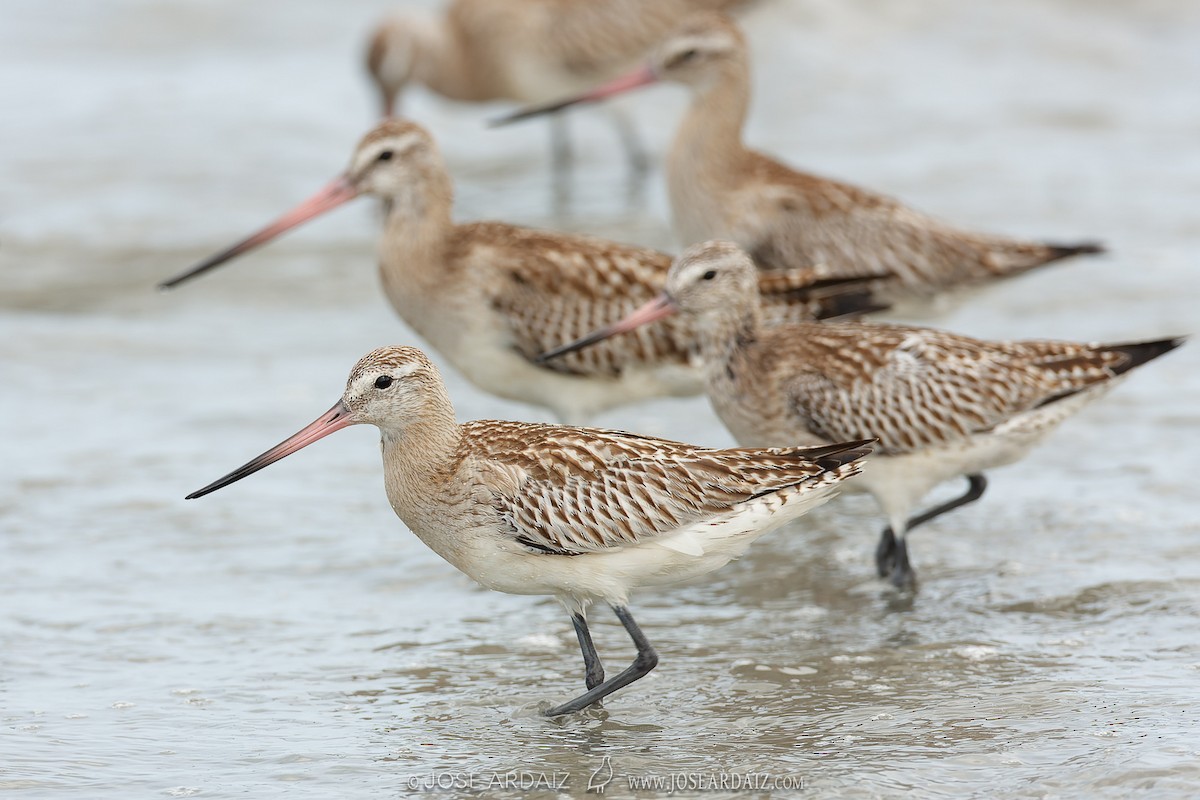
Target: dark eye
682	57
386	155
383	381
708	276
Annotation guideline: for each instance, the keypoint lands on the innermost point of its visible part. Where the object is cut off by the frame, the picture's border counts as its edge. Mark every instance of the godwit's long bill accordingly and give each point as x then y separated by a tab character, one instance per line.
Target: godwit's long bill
719	189
942	406
490	297
527	51
338	192
582	514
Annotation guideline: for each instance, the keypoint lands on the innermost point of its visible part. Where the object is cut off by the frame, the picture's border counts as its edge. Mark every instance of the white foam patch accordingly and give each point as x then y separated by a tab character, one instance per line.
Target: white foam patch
539	643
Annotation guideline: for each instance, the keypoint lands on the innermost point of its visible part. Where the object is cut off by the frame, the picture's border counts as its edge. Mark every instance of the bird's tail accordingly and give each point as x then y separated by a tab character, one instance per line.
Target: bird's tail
831	456
1099	369
1056	252
1006	257
1139	353
801	295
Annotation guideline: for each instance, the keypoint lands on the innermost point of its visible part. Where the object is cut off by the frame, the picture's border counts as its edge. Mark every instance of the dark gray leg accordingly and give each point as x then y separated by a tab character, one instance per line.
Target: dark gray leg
562	158
975	487
561	155
902	575
645	661
886	554
593	670
635	151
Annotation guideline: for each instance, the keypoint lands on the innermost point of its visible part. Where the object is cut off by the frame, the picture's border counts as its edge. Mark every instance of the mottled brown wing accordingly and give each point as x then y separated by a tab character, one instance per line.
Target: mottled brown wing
801	219
583	490
593	40
914	388
597	39
552	289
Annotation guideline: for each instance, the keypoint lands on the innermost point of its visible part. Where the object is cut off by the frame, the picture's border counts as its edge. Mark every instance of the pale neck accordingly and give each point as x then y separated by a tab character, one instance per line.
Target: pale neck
421	454
710	136
416	233
443	64
727	333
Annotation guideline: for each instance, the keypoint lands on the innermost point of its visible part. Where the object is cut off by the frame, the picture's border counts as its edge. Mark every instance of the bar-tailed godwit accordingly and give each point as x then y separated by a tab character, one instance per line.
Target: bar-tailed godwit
490	297
719	189
583	514
943	406
527	51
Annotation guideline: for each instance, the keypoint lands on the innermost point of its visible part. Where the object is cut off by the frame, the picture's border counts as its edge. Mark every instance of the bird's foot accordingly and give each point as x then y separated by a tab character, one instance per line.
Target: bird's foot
885	553
902	575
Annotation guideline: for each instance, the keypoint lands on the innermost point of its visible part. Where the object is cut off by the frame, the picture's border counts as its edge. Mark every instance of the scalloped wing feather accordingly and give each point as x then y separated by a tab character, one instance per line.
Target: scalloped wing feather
553	288
916	388
581	490
786	218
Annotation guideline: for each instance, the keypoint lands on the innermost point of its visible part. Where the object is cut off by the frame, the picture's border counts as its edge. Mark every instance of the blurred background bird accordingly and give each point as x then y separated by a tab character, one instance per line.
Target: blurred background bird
526	51
720	189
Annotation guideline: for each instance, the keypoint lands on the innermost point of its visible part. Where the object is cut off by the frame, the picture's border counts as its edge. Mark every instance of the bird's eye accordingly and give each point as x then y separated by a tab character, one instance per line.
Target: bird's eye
708	276
386	155
686	55
383	381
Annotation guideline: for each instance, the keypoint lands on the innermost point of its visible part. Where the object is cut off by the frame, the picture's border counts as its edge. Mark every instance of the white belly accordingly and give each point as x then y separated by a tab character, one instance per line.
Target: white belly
900	482
610	576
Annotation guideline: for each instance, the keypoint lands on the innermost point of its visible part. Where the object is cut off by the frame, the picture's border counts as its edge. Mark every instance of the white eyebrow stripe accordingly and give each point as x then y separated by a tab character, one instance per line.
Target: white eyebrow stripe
404	370
407	142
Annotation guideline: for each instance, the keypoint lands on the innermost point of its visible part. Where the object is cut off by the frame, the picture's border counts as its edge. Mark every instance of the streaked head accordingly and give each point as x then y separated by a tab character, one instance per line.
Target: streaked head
700	50
397	161
712	277
391	388
394	160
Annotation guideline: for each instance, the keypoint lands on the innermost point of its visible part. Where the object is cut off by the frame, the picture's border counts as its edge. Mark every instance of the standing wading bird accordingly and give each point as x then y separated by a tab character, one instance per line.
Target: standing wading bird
490	297
783	218
583	514
941	405
528	51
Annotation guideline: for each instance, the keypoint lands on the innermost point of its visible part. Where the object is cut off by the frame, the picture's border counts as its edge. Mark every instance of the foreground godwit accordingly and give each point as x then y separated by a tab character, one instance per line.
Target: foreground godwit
721	190
528	51
583	514
941	405
490	297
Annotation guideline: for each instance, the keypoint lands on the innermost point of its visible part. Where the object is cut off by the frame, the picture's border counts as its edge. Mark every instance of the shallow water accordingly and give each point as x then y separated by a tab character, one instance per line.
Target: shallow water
287	636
